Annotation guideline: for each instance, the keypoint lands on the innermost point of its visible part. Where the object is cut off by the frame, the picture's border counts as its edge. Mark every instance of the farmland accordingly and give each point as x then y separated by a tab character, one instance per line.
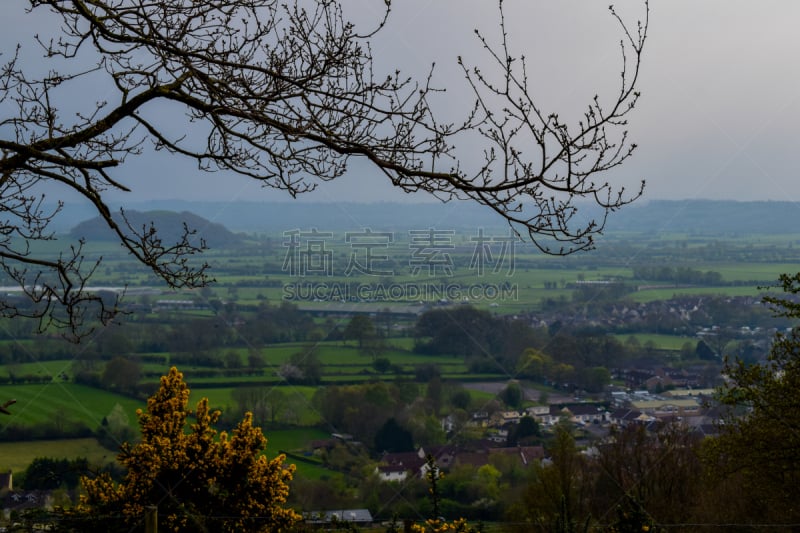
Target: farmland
236	335
18	455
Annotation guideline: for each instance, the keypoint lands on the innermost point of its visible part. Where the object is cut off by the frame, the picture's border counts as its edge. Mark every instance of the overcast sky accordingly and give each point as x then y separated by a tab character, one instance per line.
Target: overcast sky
720	87
720	82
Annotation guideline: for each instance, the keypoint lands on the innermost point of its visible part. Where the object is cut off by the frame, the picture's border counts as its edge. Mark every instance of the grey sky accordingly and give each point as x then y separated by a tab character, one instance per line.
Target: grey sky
720	83
720	89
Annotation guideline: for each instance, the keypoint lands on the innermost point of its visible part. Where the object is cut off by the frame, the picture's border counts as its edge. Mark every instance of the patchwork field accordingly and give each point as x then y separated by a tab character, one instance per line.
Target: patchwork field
253	275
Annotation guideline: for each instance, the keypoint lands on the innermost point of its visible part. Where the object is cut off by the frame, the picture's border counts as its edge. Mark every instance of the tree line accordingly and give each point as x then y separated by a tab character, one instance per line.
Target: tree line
677	275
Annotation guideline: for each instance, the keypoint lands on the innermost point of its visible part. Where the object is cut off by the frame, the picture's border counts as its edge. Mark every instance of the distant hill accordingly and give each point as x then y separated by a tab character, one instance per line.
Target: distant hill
707	217
272	217
169	223
702	217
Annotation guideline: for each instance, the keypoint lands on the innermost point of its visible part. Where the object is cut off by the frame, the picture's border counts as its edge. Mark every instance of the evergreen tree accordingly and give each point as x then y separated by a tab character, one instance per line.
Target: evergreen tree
392	437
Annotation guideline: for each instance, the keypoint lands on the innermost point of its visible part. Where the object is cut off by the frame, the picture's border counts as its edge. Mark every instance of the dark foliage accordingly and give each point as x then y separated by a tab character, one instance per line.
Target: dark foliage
392	438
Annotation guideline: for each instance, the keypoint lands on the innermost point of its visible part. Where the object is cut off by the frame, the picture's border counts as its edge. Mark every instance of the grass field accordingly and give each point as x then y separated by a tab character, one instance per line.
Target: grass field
243	276
762	272
661	342
39	368
16	456
61	403
296	442
342	363
293	440
243	270
667	293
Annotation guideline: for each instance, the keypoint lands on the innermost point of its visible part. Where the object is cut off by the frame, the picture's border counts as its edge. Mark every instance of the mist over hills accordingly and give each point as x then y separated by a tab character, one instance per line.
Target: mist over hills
707	217
699	217
170	226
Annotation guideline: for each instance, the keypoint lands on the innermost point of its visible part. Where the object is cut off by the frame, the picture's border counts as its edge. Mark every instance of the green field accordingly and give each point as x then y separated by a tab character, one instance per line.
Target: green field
39	368
661	342
16	456
293	440
241	272
63	403
251	276
667	292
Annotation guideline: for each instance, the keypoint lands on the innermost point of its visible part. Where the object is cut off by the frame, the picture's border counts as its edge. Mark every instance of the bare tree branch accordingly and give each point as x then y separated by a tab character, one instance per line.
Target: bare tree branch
286	94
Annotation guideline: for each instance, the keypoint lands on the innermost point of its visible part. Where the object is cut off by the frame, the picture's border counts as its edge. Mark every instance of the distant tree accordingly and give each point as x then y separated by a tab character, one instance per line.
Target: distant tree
544	398
650	347
267	404
425	426
382	365
633	345
232	359
464	330
198	479
654	477
425	372
114	341
434	395
460	399
115	429
558	494
334	333
610	292
688	350
392	437
704	351
122	374
376	402
720	342
385	317
512	395
329	493
524	433
746	351
311	365
45	473
255	360
360	328
534	364
594	379
373	347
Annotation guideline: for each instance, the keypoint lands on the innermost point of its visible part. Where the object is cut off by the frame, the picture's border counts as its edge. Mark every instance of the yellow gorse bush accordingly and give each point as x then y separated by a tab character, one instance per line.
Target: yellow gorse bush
198	479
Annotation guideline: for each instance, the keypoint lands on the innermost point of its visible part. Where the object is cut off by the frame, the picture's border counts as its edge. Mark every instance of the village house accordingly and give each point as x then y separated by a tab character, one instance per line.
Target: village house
537	410
625	416
587	413
398	465
391	472
669	407
401	466
579	413
326	519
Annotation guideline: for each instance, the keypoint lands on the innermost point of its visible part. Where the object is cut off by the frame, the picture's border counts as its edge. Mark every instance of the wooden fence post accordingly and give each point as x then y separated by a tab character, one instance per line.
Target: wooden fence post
151	519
